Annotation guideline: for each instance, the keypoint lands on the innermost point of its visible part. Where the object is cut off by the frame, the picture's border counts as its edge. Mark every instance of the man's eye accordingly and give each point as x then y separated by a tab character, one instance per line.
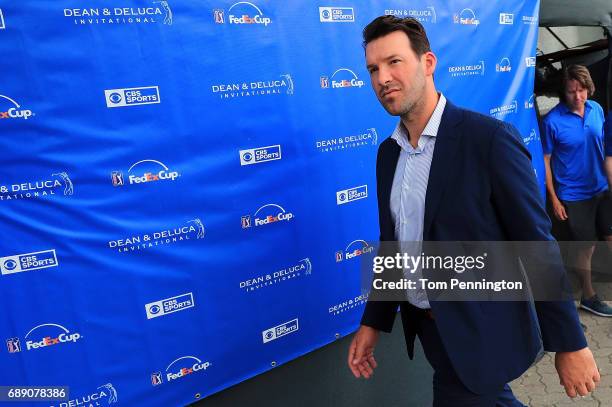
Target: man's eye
395	61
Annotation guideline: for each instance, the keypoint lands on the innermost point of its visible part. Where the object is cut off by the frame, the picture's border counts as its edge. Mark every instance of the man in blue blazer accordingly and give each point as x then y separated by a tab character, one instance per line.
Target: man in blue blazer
448	174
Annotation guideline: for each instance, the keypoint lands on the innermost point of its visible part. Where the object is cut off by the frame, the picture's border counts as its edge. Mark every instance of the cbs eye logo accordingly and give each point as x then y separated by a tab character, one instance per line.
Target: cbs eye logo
326	14
154	309
269	335
342	196
247	157
10	264
115	97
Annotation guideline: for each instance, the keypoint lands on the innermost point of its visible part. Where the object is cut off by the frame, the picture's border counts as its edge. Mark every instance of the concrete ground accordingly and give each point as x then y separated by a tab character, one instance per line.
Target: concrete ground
539	386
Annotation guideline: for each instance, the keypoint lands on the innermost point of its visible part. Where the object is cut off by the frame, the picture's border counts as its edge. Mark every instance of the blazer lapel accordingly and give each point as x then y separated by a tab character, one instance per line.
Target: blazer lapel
385	172
442	163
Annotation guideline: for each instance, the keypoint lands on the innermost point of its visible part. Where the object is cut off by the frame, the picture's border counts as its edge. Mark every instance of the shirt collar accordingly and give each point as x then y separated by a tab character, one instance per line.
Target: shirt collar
400	134
565	109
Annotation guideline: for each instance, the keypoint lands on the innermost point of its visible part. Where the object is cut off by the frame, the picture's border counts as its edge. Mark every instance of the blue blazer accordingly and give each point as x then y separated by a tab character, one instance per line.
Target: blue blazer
481	187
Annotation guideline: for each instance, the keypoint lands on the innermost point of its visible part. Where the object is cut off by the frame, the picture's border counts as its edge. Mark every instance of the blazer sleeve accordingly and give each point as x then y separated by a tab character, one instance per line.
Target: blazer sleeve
517	199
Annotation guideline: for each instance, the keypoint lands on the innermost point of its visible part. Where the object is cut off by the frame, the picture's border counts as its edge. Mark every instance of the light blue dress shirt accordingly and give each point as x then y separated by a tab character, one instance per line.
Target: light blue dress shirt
408	193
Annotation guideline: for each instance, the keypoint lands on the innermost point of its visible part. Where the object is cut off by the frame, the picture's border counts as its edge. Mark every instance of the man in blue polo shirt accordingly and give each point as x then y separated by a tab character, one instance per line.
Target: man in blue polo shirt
576	182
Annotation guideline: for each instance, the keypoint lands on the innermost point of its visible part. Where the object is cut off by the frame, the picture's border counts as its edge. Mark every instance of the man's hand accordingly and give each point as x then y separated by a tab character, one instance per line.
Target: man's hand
361	352
577	371
559	210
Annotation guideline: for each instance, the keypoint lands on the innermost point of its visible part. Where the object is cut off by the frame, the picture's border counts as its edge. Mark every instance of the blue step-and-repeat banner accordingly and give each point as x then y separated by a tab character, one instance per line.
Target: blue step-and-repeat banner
186	186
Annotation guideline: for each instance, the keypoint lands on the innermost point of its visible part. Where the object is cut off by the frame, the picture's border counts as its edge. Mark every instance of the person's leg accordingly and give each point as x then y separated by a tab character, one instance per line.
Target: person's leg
604	218
582	219
582	266
448	389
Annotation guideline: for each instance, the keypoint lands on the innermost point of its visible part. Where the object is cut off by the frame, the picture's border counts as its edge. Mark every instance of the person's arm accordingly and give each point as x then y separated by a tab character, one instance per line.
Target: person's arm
609	172
558	208
515	193
380	310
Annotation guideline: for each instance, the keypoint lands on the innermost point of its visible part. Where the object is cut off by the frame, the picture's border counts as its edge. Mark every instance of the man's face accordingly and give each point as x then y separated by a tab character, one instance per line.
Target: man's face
396	72
575	95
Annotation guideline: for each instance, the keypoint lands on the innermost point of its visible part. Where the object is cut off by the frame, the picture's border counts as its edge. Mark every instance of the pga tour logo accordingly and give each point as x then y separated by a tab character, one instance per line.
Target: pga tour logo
29	261
351	194
336	15
280	330
260	155
146	95
169	305
506	18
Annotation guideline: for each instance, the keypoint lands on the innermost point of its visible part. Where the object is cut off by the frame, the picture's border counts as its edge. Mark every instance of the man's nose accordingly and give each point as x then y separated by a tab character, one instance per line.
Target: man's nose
384	76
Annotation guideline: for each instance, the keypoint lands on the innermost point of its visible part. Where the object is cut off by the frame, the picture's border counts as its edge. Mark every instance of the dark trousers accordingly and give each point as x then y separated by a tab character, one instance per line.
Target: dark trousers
447	387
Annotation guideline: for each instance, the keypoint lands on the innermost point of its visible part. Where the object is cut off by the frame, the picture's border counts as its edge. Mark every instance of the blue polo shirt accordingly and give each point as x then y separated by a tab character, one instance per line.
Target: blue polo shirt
576	146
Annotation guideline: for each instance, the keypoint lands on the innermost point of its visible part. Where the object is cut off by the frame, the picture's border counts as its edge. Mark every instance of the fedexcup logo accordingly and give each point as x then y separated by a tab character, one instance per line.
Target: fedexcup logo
352	194
12	109
281	330
157	11
503	65
55	335
341	78
242	13
424	15
145	171
266	215
336	15
260	155
354	249
27	262
180	368
169	305
145	95
466	17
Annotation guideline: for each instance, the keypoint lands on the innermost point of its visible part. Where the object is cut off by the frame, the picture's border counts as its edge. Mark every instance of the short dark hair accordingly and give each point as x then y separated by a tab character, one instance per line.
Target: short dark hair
383	25
578	73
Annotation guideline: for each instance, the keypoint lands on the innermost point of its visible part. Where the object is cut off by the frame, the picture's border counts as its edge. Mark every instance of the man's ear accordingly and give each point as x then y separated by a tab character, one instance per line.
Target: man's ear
429	63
